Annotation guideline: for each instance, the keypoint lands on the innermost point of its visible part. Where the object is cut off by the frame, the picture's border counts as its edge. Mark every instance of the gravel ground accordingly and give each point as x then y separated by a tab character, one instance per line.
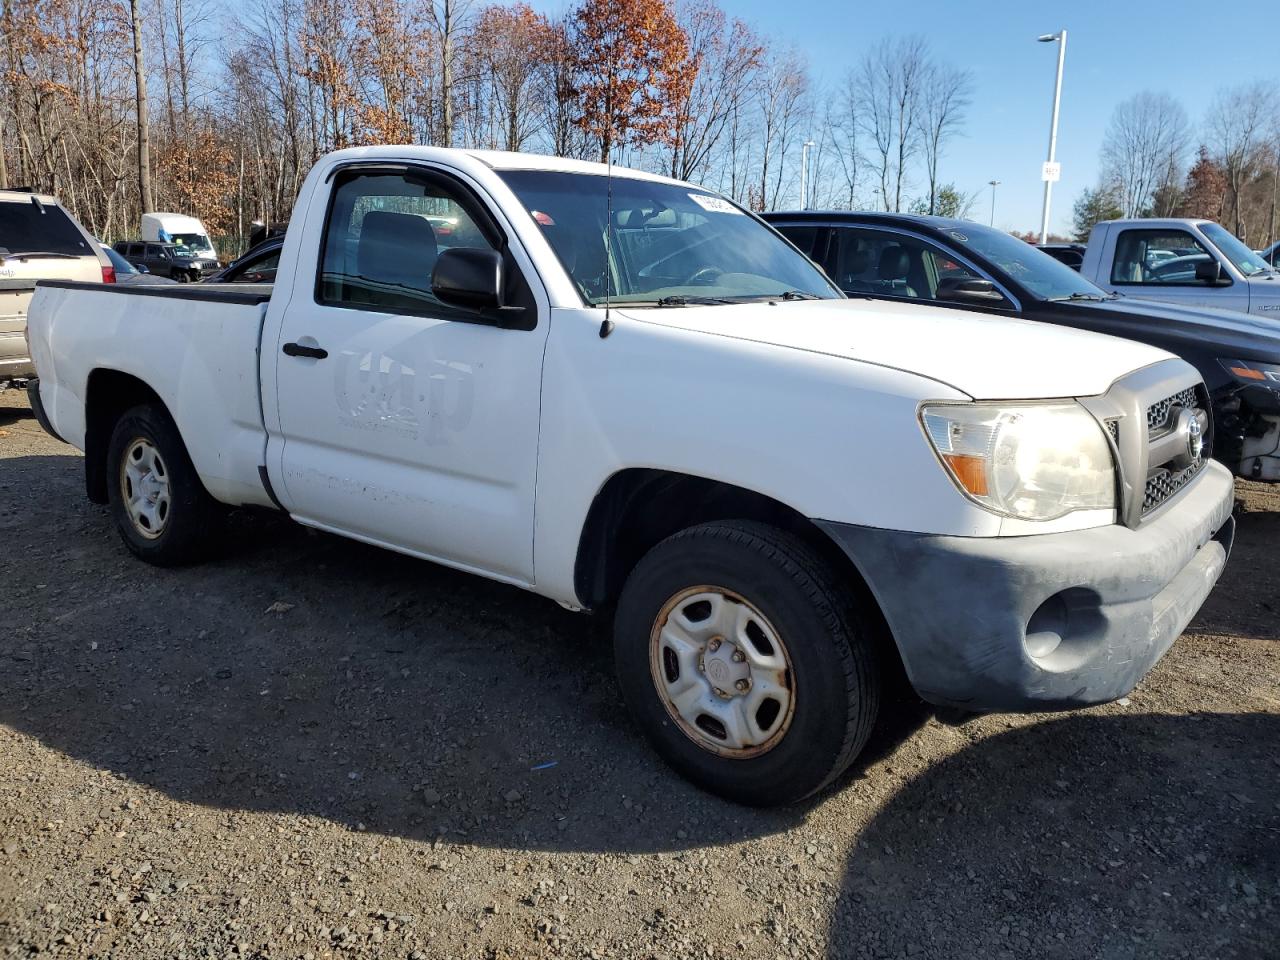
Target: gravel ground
312	748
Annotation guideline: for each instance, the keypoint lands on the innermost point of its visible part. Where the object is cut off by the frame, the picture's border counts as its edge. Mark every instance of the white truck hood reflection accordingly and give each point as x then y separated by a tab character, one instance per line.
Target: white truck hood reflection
985	356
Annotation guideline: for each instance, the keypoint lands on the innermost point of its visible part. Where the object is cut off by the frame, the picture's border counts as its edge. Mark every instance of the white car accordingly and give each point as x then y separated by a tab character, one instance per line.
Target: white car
38	240
634	397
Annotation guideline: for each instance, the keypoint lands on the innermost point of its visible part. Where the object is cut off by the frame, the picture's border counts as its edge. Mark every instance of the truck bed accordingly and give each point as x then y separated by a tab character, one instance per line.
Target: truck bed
194	345
242	293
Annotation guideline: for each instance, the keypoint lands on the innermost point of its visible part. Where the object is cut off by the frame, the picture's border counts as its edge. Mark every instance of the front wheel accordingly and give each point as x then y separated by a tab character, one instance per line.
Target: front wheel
161	509
744	661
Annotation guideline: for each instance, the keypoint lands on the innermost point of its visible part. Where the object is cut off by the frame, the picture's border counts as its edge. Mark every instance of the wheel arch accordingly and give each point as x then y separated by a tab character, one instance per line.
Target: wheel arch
108	395
637	508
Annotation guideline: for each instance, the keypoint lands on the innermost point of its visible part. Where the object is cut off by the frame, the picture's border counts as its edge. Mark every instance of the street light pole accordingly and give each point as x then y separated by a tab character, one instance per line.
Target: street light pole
804	174
1061	37
994	184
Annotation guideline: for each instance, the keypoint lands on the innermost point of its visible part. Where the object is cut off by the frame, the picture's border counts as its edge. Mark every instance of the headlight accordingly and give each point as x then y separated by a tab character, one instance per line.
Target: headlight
1251	371
1034	461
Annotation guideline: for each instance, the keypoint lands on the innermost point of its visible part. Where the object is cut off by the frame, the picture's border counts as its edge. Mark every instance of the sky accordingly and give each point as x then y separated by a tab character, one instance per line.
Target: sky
1114	50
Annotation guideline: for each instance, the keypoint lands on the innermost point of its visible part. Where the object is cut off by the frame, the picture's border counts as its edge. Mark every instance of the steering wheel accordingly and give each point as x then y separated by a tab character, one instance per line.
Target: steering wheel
704	275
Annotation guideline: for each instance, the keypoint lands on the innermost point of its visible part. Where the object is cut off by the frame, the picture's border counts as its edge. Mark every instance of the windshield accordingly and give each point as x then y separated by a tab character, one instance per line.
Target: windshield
196	242
1245	260
29	227
1039	273
668	242
120	263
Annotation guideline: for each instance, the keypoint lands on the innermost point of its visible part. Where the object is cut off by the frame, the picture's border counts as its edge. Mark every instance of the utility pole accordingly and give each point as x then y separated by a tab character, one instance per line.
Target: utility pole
144	133
994	184
1061	37
804	174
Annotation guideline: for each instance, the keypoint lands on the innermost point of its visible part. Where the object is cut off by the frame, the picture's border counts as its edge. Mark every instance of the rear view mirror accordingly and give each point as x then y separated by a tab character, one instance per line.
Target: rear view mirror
468	277
1210	272
970	290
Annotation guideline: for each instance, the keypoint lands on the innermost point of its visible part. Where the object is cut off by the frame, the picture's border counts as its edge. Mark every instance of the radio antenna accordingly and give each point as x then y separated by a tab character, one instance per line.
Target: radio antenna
606	325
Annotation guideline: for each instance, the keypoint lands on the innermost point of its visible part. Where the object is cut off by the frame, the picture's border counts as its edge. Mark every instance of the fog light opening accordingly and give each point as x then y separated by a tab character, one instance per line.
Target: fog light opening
1065	628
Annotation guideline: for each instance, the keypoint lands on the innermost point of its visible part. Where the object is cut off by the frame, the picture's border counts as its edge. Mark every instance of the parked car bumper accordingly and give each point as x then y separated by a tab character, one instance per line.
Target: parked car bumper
1052	621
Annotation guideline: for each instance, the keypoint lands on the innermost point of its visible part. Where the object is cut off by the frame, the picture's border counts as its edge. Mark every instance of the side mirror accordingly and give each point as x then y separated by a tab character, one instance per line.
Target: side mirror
1210	272
970	290
468	277
142	268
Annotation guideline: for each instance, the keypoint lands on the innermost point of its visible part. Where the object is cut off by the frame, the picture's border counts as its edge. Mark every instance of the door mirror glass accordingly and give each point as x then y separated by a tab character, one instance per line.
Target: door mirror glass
969	290
468	277
142	268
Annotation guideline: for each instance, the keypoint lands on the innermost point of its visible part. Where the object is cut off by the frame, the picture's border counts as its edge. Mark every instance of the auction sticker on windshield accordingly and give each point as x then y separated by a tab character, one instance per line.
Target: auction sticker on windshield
714	204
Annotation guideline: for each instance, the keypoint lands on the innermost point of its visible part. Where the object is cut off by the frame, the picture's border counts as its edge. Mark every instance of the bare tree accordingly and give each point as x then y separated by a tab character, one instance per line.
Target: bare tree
842	126
724	59
892	82
448	19
783	89
1237	131
1144	150
947	94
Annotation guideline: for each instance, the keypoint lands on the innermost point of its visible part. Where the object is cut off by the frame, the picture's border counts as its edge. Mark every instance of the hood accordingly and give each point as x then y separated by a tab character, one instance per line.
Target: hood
1235	335
987	357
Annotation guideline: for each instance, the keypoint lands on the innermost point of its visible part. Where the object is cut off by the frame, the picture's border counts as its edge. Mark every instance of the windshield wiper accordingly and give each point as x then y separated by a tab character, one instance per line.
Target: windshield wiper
1094	297
783	295
25	254
680	300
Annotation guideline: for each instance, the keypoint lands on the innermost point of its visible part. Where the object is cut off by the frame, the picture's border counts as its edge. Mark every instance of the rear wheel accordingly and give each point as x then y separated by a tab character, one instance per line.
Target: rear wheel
744	661
160	507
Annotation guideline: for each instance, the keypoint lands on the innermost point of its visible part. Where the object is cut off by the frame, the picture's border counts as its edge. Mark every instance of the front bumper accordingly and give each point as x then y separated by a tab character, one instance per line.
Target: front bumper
1050	621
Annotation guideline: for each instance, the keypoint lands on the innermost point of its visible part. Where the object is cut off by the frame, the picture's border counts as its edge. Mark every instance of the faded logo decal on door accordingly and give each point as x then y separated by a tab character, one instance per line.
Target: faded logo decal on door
427	401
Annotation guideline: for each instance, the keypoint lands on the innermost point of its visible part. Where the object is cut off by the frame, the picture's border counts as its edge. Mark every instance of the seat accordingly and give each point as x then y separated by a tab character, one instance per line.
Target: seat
396	249
853	263
892	270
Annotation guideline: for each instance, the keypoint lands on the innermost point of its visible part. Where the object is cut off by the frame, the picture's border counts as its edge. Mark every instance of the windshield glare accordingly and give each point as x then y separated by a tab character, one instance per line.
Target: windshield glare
666	240
1039	273
1245	260
196	242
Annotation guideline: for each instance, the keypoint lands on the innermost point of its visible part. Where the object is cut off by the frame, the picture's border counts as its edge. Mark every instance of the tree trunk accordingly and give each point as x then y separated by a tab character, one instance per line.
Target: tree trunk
144	133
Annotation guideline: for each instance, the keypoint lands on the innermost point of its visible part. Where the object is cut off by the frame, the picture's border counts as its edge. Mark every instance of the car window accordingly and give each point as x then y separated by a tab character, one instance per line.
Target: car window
383	235
881	264
1156	257
261	269
30	227
643	241
1231	247
803	237
120	263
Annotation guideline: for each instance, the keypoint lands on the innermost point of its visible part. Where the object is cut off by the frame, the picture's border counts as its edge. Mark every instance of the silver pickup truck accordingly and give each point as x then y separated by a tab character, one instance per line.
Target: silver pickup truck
1189	262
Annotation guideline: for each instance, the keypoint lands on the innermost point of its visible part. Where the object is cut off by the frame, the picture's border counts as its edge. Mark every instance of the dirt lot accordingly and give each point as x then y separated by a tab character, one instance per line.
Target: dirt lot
365	773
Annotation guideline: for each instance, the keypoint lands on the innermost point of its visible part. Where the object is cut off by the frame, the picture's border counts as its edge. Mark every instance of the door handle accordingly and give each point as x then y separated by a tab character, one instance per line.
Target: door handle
298	350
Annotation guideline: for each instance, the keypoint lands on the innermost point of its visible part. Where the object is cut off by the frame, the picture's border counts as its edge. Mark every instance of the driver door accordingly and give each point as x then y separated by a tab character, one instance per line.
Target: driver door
404	420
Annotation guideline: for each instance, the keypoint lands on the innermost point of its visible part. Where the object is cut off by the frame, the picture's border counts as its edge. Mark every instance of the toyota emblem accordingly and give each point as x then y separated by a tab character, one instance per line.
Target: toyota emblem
1195	437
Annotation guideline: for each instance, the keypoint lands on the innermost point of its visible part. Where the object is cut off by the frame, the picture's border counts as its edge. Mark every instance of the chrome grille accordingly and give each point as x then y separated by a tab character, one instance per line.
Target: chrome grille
1160	415
1163	484
1163	481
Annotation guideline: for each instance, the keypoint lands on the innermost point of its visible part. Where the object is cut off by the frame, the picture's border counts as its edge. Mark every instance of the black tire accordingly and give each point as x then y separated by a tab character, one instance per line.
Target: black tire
834	674
191	525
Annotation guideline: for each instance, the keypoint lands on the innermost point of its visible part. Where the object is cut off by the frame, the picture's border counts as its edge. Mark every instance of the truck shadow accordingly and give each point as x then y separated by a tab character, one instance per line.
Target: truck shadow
312	675
1122	836
308	674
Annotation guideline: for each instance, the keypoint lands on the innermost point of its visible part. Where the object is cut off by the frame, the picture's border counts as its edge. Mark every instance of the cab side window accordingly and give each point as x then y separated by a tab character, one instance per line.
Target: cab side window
882	264
382	238
1158	258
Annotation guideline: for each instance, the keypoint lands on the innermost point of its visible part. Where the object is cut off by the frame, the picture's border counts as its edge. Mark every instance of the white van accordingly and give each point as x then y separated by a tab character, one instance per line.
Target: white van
180	229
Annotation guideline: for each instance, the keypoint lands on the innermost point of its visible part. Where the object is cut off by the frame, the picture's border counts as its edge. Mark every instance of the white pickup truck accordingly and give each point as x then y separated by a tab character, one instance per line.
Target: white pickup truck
630	395
1195	263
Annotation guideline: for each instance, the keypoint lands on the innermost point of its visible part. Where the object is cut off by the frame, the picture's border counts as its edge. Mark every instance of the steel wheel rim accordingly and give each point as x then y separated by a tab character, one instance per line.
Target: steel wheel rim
144	487
722	672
